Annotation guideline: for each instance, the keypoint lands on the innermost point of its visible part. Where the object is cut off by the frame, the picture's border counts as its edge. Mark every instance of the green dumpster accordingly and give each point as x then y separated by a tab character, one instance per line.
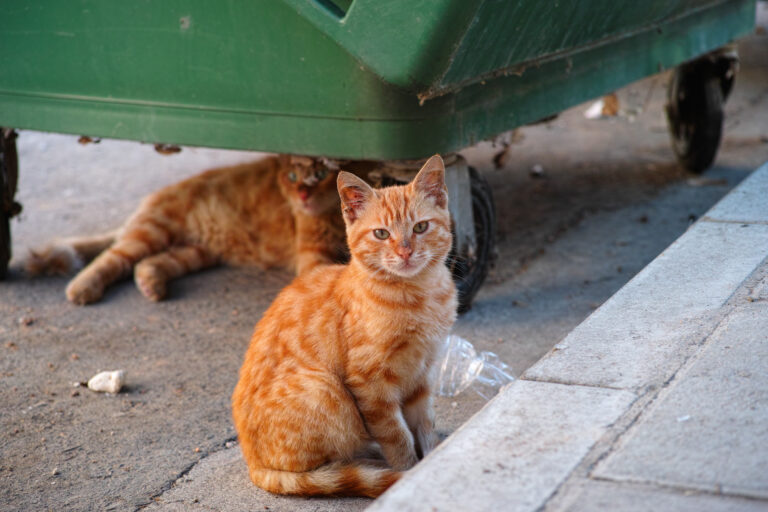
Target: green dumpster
354	79
373	79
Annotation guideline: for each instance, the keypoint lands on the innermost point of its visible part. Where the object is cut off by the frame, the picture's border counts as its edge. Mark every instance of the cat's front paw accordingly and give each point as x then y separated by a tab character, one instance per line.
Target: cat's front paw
82	293
404	461
149	282
426	441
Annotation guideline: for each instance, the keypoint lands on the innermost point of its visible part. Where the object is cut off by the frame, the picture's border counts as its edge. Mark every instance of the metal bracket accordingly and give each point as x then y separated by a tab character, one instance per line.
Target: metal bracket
460	205
9	168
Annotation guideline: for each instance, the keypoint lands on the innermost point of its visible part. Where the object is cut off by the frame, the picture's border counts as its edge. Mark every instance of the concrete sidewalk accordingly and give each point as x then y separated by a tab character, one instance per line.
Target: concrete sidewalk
658	401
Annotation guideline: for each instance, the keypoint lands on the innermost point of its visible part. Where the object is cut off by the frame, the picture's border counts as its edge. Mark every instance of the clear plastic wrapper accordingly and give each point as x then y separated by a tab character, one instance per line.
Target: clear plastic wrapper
460	366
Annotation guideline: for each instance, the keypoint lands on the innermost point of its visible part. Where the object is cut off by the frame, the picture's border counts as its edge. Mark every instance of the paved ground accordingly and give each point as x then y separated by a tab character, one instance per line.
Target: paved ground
610	200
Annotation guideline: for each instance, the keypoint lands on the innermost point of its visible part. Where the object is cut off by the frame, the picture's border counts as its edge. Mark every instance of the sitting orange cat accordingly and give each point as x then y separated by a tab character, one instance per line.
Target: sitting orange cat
277	212
341	359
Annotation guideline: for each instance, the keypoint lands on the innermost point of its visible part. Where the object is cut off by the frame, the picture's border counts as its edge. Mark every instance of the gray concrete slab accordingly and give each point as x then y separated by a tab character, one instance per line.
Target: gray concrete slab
513	454
645	331
597	496
746	203
708	431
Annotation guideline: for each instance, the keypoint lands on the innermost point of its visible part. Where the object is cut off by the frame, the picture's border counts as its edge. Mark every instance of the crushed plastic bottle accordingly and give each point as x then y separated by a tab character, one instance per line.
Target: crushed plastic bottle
459	366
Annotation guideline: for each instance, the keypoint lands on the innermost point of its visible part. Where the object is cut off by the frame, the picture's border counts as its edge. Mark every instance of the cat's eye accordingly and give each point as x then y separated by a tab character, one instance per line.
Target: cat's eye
321	174
421	227
381	234
292	177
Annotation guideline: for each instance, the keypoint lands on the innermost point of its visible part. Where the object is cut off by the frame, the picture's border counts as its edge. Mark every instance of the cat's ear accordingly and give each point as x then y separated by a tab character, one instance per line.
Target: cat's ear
354	194
430	181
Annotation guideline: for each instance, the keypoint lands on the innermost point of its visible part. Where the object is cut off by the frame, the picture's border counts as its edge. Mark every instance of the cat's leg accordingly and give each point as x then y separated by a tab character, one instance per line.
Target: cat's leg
91	246
142	236
380	407
420	417
153	273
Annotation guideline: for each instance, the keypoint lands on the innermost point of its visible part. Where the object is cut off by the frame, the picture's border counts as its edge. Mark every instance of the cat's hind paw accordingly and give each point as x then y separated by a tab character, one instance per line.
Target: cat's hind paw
149	282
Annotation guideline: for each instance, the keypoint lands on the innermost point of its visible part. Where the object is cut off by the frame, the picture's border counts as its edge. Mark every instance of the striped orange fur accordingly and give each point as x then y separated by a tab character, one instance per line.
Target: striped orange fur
310	189
342	357
277	212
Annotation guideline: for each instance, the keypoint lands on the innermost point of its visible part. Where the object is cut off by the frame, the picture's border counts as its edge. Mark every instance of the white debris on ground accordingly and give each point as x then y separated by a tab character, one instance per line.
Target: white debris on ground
107	382
595	111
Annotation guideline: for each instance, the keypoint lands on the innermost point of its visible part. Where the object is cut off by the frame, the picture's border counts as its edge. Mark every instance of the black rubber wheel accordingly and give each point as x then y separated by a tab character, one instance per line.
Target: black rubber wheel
8	208
695	114
470	270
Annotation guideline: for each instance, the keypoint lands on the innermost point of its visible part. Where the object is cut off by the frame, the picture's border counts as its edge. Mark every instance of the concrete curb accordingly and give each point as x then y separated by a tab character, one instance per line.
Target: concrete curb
572	405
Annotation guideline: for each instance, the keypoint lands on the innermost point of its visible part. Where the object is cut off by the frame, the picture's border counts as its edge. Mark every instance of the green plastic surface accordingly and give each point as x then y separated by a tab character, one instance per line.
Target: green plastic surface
334	77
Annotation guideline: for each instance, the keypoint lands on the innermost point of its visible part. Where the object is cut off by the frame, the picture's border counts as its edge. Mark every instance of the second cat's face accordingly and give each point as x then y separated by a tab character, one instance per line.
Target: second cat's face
309	185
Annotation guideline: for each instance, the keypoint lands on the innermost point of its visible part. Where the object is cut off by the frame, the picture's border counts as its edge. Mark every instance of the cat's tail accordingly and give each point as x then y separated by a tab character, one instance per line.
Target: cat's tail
334	479
67	255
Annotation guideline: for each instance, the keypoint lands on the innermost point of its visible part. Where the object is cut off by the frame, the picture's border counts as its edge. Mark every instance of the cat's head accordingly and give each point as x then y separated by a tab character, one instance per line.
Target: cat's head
401	230
309	184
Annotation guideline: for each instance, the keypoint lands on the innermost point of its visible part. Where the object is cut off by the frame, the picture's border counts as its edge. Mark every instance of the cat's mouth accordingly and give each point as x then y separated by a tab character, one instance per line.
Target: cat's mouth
406	268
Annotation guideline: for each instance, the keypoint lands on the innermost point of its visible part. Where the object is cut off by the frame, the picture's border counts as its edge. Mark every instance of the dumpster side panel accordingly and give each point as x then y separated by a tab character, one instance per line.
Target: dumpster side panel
560	83
431	47
508	37
170	85
235	55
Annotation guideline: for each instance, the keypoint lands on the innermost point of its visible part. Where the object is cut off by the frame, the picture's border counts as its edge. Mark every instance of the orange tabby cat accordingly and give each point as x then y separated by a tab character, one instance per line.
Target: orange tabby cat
236	215
342	357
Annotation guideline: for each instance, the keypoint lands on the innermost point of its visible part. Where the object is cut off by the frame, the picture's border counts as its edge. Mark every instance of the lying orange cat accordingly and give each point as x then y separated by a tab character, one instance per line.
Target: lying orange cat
341	359
278	212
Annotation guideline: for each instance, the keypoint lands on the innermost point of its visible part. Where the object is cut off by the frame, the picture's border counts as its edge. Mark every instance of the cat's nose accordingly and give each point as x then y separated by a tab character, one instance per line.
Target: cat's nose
303	193
404	249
